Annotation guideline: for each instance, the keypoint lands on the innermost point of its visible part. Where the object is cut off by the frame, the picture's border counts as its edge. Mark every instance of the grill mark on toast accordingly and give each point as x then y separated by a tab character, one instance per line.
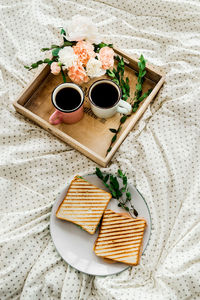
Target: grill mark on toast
120	238
83	204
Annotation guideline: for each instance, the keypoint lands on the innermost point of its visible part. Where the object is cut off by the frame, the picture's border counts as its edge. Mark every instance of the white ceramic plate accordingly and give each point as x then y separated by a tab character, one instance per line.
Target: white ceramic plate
76	245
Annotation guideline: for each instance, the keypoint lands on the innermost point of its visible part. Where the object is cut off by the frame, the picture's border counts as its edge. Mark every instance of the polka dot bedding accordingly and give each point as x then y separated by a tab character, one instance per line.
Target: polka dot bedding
161	155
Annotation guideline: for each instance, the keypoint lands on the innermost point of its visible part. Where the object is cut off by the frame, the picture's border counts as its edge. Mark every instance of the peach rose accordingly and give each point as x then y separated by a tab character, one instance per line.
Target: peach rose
55	68
106	56
77	73
84	51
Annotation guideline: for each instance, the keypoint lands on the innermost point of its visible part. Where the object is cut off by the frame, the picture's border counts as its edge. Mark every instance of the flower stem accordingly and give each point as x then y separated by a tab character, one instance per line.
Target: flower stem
63	75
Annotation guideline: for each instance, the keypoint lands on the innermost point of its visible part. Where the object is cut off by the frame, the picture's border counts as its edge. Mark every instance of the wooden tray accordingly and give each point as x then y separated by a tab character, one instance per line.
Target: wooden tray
91	136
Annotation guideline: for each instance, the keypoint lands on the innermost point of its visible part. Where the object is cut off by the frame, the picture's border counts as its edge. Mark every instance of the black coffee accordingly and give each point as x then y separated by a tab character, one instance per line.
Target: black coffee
68	98
104	95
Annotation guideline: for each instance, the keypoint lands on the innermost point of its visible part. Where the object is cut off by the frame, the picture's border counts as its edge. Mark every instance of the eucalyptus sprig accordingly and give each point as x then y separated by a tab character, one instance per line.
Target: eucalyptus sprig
140	79
55	51
139	97
112	183
39	62
56	48
116	131
117	75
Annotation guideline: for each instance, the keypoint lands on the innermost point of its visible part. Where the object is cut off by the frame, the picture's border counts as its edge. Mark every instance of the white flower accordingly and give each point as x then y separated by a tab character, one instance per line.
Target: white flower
82	28
67	57
94	68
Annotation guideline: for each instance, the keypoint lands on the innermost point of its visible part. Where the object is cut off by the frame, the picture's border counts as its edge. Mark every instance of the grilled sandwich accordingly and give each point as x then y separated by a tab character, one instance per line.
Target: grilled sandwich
84	204
120	238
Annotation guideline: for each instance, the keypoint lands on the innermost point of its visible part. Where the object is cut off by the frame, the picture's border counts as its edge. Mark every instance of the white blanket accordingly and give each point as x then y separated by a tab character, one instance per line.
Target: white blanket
161	155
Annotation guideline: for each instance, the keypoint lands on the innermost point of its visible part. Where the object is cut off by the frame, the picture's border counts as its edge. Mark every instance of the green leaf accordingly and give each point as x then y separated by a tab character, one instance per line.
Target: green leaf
101	45
140	99
126	208
67	43
114	138
62	31
139	65
45	49
121	205
122	62
125	180
138	87
26	67
120	173
106	185
47	60
106	178
35	65
128	196
99	173
123	189
119	193
117	58
123	89
134	210
63	75
97	47
109	149
110	73
126	84
123	119
144	73
118	67
145	95
124	97
112	191
55	51
114	182
115	80
113	130
135	107
142	60
54	46
39	62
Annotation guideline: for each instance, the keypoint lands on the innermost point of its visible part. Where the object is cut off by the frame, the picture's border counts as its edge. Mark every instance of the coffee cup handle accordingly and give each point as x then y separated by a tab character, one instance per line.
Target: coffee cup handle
124	107
55	118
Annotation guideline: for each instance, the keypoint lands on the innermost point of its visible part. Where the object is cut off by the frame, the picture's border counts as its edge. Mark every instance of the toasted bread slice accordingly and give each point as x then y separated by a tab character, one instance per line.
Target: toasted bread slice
120	238
84	204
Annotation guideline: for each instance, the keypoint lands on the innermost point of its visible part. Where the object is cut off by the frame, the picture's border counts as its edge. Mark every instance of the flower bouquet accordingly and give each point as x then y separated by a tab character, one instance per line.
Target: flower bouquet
82	55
